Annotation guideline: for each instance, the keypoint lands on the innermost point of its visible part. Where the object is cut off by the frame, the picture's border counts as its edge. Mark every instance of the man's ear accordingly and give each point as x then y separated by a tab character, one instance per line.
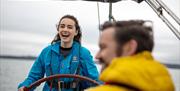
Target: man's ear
130	48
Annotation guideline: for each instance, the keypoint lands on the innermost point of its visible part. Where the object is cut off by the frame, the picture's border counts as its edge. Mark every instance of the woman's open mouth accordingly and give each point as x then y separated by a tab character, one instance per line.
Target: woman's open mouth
65	34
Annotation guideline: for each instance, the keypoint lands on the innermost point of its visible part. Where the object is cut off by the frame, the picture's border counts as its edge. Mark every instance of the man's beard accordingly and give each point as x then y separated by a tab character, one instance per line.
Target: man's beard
102	62
119	51
104	65
103	68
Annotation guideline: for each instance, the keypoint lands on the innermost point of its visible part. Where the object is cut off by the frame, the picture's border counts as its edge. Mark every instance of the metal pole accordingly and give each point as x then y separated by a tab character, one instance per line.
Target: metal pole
168	11
158	11
110	10
98	15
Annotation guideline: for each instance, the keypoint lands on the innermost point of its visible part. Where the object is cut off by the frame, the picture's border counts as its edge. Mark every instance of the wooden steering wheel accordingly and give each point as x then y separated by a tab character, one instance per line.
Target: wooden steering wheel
49	78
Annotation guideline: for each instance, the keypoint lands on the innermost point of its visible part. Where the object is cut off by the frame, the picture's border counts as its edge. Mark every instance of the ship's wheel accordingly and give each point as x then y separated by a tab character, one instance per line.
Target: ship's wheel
50	78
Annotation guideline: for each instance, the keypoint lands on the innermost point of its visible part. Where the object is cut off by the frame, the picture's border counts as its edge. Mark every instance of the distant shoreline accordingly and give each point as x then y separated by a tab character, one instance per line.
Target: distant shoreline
18	57
32	58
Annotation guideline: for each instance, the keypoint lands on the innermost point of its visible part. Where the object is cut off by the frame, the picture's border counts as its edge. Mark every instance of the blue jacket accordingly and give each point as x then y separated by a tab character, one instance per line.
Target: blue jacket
51	58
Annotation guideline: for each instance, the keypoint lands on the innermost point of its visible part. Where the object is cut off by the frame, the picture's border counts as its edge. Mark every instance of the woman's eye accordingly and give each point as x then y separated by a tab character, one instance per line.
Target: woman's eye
70	27
62	26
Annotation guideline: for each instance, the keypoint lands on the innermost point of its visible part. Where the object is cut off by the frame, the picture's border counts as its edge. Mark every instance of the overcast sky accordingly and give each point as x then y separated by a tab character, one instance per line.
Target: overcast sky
27	26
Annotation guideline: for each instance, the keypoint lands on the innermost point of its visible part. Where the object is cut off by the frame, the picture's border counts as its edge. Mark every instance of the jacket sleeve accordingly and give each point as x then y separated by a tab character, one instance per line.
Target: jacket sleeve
37	72
88	65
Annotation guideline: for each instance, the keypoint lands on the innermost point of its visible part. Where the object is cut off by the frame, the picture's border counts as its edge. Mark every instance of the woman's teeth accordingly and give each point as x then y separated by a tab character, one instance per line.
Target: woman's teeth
65	34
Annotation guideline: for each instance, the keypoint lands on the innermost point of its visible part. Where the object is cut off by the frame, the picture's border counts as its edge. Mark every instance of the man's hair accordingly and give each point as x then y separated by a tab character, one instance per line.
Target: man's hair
133	29
106	25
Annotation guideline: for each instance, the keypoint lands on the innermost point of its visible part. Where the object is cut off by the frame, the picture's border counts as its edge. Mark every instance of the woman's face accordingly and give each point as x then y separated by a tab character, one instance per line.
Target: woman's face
67	30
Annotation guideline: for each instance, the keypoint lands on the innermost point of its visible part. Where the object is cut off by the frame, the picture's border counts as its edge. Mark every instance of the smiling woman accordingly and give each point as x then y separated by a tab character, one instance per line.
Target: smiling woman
65	55
68	30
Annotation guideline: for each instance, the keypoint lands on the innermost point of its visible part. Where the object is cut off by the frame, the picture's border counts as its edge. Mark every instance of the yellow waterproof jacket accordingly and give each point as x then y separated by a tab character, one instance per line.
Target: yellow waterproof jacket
140	71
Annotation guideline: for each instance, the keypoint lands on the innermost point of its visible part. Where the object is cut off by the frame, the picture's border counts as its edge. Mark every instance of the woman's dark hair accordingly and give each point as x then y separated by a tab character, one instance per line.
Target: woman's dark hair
78	29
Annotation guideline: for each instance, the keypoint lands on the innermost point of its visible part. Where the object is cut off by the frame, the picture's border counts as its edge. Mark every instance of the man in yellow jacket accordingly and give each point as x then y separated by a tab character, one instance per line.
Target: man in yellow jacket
125	55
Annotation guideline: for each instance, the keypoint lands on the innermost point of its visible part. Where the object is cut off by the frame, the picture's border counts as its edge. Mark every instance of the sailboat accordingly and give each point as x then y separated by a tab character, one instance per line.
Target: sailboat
159	8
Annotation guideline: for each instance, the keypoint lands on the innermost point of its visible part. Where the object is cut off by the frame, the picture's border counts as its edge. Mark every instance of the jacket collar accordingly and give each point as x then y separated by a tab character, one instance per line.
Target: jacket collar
55	47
